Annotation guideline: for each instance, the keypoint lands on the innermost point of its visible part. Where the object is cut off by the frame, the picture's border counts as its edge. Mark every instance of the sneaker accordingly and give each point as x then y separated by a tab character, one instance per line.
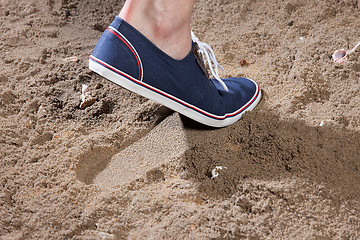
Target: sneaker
126	57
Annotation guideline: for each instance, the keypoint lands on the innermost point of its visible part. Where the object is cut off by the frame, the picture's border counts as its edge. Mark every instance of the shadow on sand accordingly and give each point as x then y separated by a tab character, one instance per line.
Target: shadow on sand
260	146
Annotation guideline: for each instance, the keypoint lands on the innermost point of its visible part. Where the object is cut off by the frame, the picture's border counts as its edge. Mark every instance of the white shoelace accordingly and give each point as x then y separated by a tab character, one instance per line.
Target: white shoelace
214	65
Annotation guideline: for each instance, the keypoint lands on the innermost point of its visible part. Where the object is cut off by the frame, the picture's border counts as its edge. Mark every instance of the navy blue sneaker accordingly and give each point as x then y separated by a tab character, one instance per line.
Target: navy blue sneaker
126	57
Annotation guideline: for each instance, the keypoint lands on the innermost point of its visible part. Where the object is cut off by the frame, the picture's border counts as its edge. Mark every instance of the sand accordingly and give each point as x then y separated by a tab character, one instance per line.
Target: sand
128	168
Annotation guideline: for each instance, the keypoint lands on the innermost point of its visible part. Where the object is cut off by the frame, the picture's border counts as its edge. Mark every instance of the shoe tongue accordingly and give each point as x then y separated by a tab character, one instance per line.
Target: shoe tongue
200	60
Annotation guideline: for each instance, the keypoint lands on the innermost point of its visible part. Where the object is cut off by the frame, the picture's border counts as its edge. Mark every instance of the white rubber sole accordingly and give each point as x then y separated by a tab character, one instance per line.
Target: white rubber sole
172	102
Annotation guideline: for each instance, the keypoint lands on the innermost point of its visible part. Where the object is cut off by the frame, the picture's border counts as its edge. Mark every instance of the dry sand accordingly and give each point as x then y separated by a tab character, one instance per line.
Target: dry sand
127	168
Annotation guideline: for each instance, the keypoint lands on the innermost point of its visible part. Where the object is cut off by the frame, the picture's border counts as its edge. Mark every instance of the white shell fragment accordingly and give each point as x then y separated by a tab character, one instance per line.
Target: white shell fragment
86	98
84	88
215	172
41	112
341	56
71	59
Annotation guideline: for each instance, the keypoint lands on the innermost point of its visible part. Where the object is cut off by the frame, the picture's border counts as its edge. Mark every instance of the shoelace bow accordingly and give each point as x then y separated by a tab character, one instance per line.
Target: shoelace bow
213	64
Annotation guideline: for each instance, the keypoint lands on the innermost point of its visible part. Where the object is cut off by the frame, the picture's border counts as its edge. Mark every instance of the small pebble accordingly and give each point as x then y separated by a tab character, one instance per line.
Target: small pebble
242	62
86	98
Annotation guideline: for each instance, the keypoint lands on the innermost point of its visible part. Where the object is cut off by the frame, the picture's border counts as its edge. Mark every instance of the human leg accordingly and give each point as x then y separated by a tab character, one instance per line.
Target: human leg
166	23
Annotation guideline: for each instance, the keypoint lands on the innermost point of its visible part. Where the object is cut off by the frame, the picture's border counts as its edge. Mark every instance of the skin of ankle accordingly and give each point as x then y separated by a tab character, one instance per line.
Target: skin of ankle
166	23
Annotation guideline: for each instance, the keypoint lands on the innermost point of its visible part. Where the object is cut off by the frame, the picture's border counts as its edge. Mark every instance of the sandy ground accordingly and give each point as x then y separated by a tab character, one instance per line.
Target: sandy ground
127	168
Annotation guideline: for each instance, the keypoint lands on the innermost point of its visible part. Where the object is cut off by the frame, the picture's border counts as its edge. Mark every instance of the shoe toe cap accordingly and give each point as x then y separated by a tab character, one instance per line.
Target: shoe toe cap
241	92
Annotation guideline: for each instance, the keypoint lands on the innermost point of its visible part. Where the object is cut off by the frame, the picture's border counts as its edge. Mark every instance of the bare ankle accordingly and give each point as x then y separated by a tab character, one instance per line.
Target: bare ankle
162	23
